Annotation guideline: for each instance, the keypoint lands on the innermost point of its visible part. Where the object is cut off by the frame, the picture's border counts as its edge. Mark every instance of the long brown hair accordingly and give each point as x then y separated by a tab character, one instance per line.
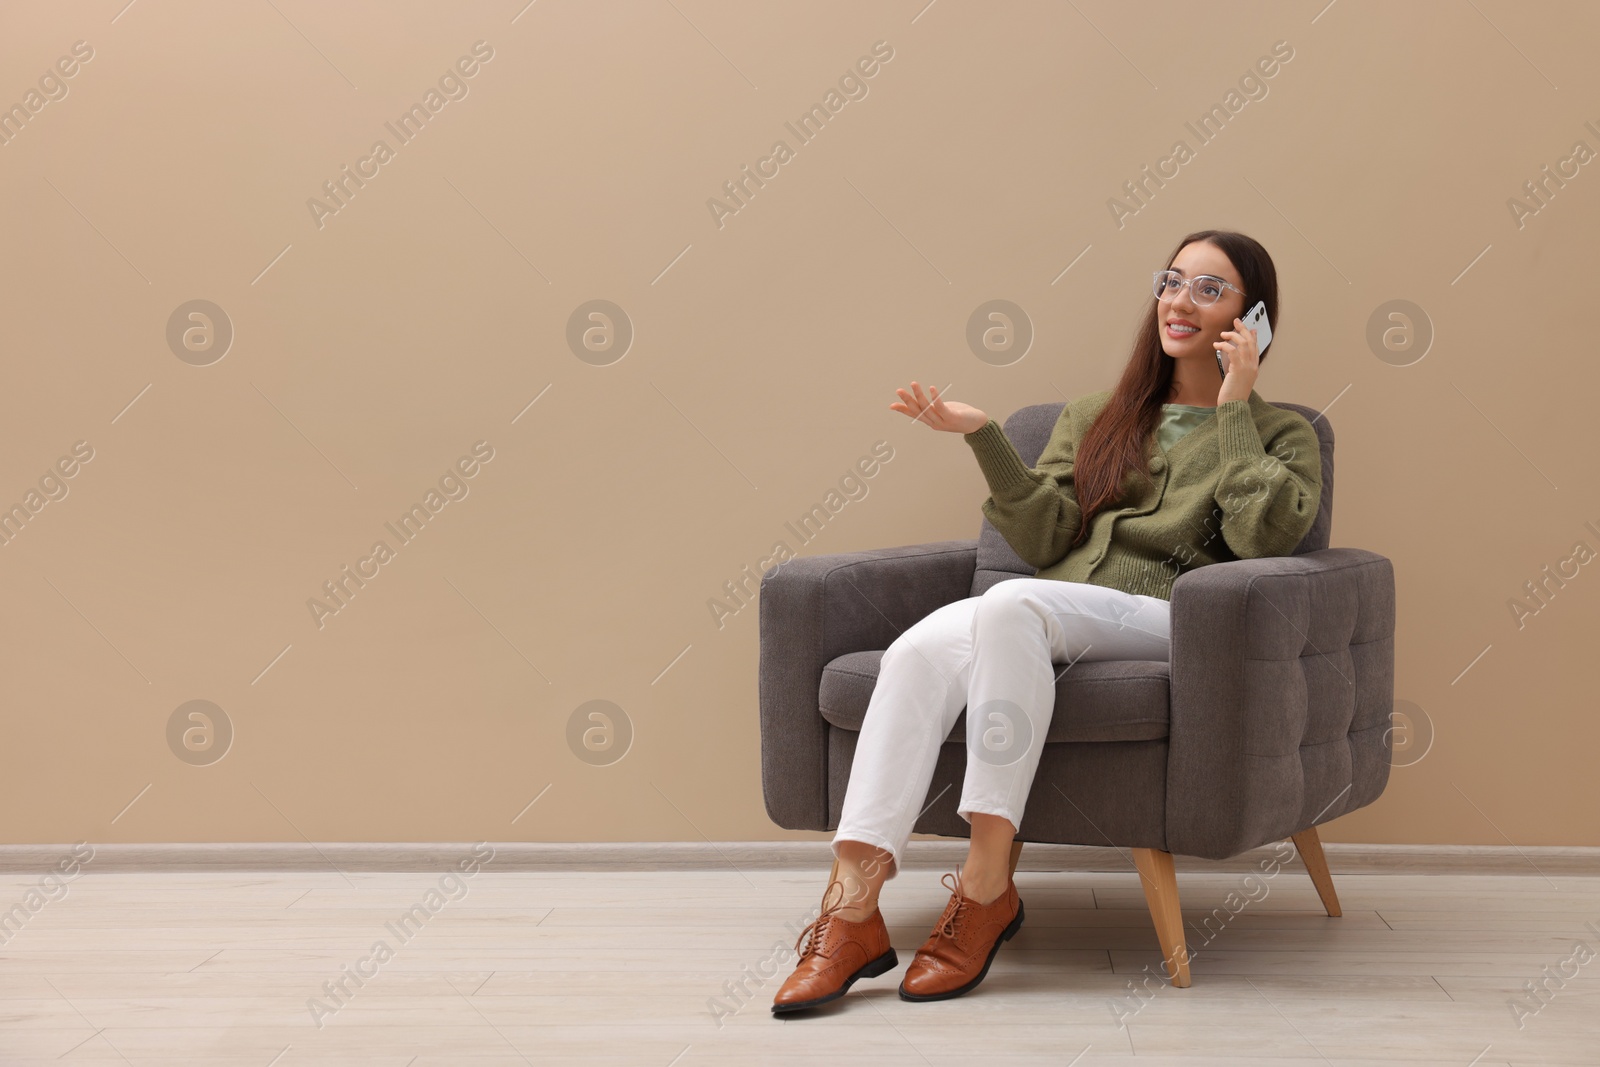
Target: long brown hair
1115	443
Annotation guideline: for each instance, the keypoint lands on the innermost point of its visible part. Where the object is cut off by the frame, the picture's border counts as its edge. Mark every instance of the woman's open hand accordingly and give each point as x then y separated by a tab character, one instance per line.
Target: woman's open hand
953	417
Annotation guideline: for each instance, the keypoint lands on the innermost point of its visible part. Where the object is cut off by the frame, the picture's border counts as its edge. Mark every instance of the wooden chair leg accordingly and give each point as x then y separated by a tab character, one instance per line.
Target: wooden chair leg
1309	846
1160	880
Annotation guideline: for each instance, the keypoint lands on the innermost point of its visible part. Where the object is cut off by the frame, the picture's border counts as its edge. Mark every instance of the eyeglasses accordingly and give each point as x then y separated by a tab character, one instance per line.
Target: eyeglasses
1204	289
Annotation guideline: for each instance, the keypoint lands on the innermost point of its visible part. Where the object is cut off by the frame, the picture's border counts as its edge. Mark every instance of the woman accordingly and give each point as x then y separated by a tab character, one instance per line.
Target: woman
1180	466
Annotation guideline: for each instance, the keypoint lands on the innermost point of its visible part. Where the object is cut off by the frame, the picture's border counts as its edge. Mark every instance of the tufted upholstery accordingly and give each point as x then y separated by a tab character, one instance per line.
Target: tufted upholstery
1271	716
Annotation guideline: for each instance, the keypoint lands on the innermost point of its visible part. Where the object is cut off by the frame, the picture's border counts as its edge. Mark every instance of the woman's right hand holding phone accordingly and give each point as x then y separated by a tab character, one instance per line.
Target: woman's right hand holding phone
951	416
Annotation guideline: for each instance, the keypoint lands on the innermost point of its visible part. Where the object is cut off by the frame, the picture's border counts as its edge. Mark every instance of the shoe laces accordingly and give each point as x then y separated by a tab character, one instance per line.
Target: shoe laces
952	910
817	929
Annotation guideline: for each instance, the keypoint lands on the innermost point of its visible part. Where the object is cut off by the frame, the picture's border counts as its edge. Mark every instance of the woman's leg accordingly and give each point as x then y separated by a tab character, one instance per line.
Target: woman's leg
1022	630
863	869
921	689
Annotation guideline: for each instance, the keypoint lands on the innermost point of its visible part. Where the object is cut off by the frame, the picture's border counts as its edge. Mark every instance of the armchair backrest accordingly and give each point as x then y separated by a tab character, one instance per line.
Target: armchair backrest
1029	429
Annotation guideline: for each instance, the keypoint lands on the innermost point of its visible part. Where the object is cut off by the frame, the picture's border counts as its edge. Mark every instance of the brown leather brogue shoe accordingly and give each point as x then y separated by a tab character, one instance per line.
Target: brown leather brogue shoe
836	954
957	954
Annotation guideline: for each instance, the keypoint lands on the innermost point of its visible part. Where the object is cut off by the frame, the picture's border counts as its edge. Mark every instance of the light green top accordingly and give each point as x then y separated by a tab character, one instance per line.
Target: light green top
1177	420
1243	484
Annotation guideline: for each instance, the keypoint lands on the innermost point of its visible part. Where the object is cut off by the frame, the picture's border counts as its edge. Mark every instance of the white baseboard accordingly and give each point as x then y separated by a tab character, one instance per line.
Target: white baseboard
943	853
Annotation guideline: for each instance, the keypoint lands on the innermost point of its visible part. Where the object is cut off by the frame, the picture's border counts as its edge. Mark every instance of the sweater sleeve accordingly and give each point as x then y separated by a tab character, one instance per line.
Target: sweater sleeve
1269	492
1034	508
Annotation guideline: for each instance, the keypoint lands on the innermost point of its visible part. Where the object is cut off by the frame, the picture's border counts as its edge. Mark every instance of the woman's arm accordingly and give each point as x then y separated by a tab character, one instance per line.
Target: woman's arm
1034	508
1269	493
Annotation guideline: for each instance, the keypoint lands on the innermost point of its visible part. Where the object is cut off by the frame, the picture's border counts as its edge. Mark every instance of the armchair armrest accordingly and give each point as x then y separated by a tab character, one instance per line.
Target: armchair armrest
815	609
1282	688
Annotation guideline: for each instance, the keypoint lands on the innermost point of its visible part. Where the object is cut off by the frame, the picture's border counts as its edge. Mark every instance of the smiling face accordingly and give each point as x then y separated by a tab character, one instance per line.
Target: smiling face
1180	310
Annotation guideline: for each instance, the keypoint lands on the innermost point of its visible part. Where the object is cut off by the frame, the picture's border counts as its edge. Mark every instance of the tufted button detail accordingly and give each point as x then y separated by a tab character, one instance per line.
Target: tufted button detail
1157	465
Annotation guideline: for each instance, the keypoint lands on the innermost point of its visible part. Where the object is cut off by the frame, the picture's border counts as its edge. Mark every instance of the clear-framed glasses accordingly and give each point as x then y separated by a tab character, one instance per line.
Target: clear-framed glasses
1204	289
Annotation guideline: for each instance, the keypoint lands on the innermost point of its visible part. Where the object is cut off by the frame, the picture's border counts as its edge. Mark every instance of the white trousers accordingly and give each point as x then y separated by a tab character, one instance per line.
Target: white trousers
998	655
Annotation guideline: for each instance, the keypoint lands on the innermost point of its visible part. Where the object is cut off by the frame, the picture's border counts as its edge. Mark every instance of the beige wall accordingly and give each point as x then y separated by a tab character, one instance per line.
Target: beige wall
374	346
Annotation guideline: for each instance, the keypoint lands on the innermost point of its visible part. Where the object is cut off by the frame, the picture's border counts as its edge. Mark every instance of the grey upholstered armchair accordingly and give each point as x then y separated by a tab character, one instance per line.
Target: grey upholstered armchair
1271	717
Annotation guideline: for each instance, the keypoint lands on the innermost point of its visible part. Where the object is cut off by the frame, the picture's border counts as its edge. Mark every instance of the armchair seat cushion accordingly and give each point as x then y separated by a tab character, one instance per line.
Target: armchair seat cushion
1096	700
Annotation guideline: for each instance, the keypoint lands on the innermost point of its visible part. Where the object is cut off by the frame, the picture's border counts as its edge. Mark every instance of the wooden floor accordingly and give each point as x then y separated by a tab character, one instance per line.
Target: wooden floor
631	967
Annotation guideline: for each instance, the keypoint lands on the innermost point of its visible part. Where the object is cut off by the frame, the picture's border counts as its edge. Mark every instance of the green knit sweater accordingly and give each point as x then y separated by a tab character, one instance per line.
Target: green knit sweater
1243	484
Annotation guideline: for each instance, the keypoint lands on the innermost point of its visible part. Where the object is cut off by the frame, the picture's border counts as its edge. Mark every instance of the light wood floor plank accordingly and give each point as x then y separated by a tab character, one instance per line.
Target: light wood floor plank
679	967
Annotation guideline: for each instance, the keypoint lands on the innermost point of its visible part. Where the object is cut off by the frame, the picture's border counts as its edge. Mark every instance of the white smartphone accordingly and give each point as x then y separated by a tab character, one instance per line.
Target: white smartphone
1254	319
